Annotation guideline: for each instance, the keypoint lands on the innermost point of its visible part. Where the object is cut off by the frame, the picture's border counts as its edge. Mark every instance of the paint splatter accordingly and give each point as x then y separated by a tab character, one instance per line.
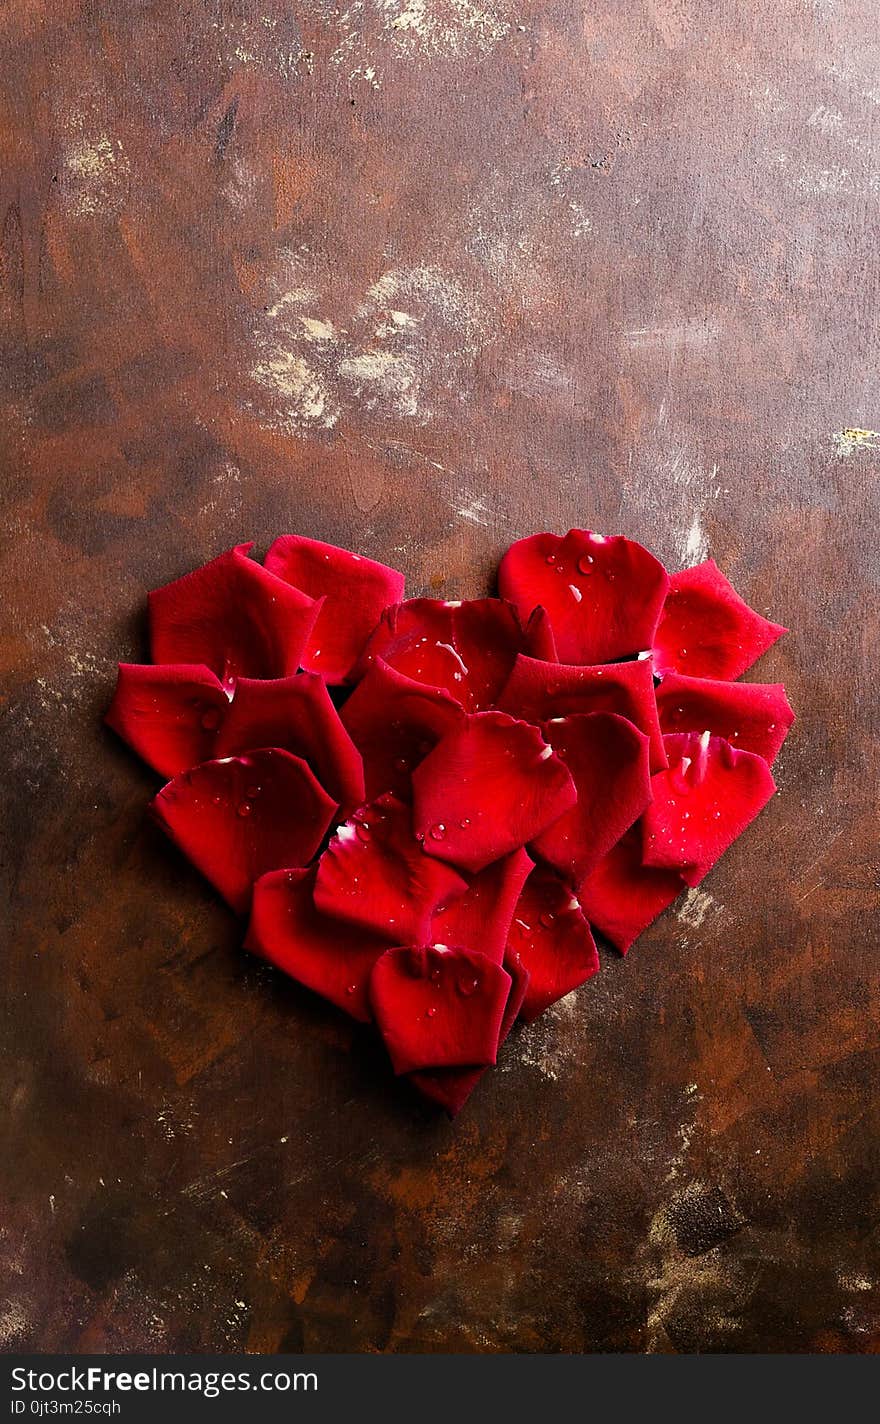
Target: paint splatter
850	440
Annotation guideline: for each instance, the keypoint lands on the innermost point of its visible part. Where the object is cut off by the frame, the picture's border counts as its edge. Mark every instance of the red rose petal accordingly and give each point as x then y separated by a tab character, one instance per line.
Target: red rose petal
552	941
234	617
394	722
329	957
608	760
240	817
603	595
438	1007
375	873
754	716
357	590
707	630
621	897
486	789
297	714
168	714
467	648
538	639
709	795
480	919
538	691
450	1088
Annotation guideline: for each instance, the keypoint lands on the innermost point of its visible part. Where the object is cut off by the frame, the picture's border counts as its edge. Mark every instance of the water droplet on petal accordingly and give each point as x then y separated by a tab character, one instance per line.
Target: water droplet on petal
430	1012
468	985
401	764
216	800
245	808
362	831
551	559
351	989
252	791
546	918
464	822
438	832
585	564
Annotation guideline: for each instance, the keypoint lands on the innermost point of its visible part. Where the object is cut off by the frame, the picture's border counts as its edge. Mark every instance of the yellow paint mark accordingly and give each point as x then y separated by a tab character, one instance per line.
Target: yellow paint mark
850	439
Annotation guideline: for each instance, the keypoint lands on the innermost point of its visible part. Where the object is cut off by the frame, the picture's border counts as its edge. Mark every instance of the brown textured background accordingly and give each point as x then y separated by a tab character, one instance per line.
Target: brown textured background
421	276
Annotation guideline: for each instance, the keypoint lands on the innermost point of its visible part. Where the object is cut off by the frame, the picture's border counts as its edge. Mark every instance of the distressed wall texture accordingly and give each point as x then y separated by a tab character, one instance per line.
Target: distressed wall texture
421	276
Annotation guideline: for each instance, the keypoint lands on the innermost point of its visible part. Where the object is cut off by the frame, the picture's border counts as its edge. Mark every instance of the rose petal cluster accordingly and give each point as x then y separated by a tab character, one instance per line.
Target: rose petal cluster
426	808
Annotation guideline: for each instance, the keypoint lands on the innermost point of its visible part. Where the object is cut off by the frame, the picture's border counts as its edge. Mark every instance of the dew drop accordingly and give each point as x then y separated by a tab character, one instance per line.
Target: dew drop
401	764
438	832
352	989
464	822
215	800
585	564
245	808
429	1014
546	918
252	791
551	559
468	985
362	831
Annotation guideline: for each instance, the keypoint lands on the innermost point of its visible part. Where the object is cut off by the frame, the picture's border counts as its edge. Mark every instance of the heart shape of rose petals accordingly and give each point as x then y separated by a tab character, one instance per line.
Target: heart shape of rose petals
428	808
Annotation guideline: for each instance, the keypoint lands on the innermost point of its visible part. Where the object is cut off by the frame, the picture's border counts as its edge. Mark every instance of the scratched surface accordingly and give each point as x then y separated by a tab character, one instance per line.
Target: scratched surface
421	276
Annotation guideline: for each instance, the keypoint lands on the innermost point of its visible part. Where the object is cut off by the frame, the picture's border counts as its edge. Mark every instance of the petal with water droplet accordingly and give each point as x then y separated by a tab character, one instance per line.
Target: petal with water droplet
286	822
464	1029
327	955
603	595
710	794
556	948
385	883
491	787
707	629
355	591
234	616
168	713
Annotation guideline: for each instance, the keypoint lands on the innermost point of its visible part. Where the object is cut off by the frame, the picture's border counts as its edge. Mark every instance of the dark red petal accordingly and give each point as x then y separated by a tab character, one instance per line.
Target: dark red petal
552	940
394	722
168	714
608	760
356	590
438	1007
332	958
486	789
537	691
450	1088
754	716
621	897
242	816
709	795
376	874
707	630
538	640
466	648
480	918
234	617
603	595
297	714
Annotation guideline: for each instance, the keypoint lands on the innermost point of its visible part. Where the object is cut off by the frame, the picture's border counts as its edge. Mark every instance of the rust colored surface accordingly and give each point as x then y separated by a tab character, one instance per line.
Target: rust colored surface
420	276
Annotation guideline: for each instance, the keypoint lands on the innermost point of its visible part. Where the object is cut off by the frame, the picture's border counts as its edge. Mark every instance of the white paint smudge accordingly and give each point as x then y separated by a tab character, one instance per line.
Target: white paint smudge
851	439
407	345
14	1323
94	175
693	331
695	906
